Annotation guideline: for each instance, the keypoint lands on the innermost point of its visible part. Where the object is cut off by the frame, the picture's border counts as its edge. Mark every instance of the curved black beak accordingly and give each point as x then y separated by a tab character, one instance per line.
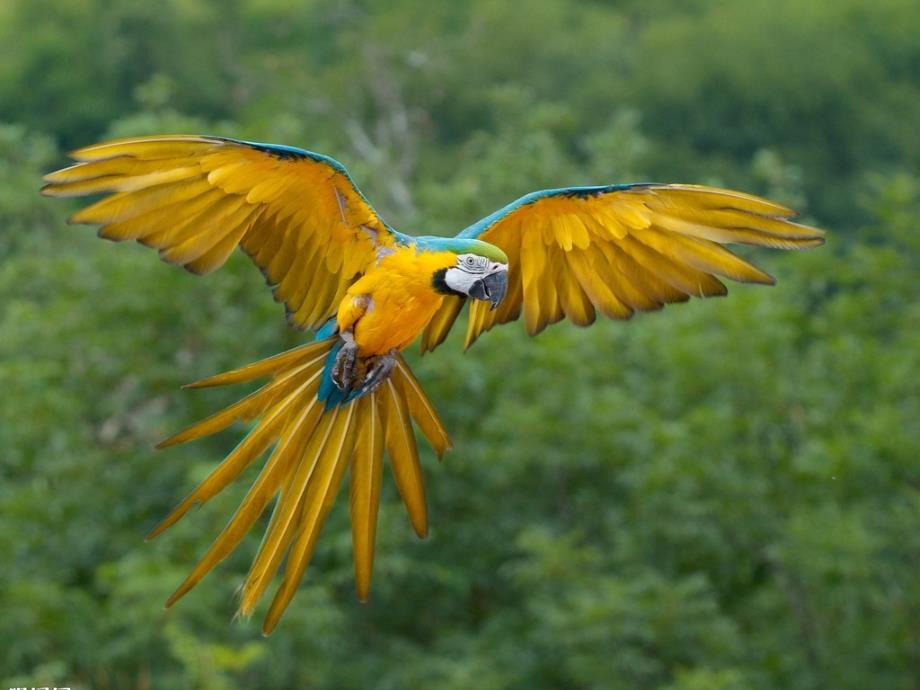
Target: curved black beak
491	287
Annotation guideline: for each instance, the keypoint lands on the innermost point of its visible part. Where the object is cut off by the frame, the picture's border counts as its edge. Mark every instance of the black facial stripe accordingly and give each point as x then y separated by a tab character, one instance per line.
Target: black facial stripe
439	283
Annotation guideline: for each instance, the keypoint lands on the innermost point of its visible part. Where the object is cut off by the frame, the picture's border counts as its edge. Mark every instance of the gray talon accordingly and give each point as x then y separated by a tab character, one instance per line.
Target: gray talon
379	371
343	370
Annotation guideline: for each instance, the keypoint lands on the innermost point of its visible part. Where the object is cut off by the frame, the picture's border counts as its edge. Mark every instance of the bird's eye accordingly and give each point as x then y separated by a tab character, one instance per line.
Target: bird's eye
470	261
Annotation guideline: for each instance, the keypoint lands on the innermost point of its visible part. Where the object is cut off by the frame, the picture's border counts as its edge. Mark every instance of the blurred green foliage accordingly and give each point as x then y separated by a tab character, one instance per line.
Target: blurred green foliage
722	496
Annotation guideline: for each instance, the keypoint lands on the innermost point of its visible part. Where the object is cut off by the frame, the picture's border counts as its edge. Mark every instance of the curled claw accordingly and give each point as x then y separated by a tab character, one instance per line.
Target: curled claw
379	371
343	370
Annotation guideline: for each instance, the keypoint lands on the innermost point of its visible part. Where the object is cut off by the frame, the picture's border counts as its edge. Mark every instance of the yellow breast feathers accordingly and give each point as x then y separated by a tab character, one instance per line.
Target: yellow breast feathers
390	305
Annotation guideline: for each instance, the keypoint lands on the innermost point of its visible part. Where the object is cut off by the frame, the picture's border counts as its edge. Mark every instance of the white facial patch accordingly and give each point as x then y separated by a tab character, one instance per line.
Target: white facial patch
469	269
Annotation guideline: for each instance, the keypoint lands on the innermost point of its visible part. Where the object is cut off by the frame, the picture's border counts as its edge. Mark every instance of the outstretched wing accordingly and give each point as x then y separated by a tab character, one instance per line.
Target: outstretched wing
196	198
619	249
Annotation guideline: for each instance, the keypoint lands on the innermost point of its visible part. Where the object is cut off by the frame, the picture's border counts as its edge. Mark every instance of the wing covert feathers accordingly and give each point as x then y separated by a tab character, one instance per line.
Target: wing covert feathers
297	214
621	249
309	450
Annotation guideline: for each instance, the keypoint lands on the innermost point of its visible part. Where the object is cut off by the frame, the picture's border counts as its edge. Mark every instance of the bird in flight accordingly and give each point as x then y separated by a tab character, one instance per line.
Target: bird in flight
367	291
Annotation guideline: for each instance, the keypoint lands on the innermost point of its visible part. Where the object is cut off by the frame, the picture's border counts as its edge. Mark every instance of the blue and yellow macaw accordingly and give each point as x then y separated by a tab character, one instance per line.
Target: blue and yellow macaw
367	291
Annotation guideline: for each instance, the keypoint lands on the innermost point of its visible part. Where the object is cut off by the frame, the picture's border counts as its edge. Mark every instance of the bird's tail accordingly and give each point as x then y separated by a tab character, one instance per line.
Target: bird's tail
311	448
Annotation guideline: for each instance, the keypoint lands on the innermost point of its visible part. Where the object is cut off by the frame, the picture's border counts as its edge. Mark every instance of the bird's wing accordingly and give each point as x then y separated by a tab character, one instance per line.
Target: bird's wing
196	198
620	249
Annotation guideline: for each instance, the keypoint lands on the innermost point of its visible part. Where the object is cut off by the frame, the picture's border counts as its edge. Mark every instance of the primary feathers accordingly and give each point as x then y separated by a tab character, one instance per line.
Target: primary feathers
344	400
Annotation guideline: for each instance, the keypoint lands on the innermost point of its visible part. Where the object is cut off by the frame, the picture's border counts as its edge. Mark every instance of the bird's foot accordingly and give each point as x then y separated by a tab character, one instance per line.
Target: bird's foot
346	363
379	369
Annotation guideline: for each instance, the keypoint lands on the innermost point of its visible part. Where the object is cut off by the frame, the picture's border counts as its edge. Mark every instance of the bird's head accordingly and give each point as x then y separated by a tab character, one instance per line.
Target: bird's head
479	270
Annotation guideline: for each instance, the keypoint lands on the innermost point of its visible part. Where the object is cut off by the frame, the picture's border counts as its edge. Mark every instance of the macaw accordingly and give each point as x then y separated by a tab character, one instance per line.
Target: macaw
367	291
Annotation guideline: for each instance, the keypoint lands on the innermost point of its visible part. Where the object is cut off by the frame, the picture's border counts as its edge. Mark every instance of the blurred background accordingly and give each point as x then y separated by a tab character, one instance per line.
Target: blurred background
721	496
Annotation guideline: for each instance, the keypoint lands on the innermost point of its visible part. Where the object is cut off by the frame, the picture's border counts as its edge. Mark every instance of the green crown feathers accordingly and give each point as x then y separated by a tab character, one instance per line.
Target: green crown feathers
462	245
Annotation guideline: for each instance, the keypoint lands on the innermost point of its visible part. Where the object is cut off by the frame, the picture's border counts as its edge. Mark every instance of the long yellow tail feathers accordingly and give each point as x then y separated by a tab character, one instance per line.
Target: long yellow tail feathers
364	494
420	407
286	516
320	495
291	444
311	449
400	445
269	366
